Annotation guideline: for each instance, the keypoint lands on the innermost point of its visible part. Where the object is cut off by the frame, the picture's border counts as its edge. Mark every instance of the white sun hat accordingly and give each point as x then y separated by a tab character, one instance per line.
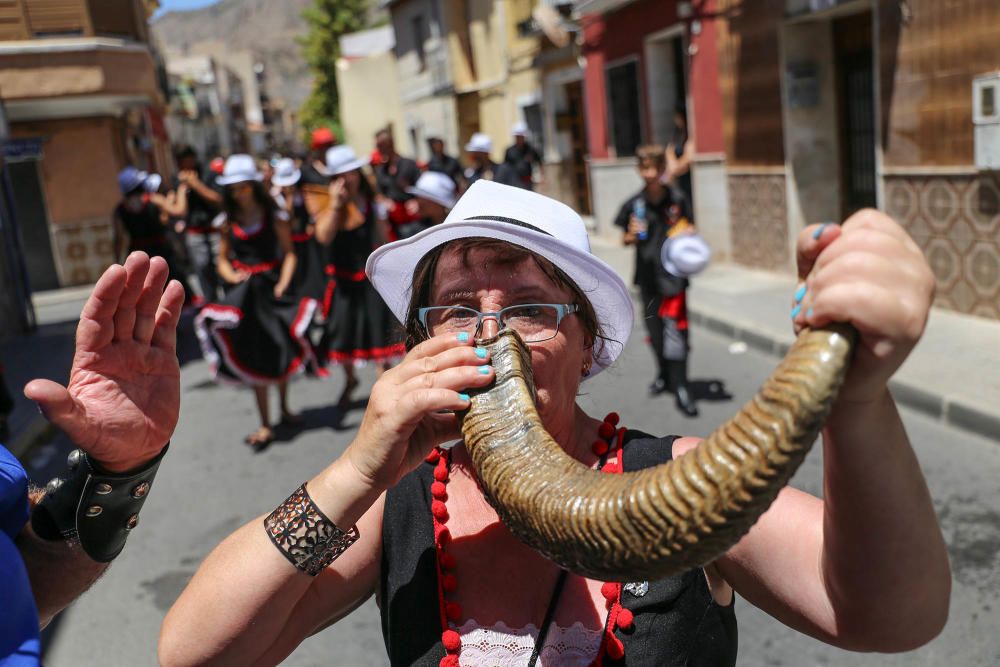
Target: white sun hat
435	186
340	160
286	173
479	143
685	255
153	183
238	169
519	129
524	218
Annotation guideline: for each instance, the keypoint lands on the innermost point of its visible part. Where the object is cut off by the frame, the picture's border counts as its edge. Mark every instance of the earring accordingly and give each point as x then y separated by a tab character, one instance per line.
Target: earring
586	370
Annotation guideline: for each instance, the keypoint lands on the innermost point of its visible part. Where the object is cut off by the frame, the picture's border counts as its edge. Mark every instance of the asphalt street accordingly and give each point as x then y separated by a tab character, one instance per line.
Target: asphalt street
211	483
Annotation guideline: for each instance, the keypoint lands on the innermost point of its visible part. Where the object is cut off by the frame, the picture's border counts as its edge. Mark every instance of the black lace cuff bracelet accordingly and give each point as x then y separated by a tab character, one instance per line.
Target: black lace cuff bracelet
304	535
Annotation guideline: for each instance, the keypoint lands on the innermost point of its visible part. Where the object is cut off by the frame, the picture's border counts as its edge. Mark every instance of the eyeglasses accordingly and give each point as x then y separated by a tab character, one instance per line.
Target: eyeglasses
534	322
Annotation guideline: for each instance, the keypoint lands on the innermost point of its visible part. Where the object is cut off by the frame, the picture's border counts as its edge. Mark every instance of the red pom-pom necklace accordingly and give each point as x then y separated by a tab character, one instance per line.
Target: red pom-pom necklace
612	439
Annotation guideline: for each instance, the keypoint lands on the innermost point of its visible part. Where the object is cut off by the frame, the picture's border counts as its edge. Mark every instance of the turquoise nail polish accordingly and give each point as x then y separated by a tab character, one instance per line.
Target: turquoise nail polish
809	313
481	352
463	397
484	370
799	293
463	337
795	311
819	232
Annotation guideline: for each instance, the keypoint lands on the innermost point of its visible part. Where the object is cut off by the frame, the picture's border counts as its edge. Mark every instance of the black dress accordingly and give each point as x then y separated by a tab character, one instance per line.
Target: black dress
253	338
147	233
677	621
360	327
310	278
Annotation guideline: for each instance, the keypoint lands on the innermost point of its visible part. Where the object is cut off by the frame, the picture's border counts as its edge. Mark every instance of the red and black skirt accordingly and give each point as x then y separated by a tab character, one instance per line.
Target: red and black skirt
253	338
360	327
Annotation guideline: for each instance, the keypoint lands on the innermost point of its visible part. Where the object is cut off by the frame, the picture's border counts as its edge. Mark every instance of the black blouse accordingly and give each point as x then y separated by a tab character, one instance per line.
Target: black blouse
677	622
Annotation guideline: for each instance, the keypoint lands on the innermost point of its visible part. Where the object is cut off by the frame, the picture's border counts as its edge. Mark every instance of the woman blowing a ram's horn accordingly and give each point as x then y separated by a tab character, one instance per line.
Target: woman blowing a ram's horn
547	536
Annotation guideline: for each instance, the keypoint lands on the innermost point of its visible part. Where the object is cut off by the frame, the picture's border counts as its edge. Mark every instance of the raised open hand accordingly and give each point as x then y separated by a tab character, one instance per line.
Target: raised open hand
123	397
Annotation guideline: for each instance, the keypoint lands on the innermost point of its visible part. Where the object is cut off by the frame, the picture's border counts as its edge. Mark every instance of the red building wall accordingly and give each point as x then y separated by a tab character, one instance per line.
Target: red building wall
621	34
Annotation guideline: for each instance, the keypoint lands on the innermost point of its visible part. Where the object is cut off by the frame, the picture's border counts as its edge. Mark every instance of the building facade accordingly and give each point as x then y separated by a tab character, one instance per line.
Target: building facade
206	107
84	94
876	109
643	60
368	56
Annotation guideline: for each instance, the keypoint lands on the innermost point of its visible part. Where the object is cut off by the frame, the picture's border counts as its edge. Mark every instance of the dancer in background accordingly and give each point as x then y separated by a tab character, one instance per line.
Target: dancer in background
141	219
441	161
433	198
393	175
360	327
522	158
257	336
196	203
309	279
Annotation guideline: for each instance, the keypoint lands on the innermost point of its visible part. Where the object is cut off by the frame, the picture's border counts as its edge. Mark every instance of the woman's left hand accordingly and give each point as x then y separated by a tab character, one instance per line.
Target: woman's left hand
868	272
123	397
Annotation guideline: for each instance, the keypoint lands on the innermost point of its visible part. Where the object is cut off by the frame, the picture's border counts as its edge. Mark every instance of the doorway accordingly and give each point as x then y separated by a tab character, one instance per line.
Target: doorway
666	82
33	219
572	122
852	40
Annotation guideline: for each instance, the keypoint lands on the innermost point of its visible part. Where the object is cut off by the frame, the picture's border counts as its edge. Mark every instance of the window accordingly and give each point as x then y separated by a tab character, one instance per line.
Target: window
624	122
419	26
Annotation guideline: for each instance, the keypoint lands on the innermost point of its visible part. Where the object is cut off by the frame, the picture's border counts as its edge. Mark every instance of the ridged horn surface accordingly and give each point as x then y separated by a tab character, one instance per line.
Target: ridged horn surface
660	521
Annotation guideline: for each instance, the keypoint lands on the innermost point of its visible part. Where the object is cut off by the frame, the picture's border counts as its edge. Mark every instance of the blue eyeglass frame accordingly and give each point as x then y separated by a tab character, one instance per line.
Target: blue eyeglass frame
562	310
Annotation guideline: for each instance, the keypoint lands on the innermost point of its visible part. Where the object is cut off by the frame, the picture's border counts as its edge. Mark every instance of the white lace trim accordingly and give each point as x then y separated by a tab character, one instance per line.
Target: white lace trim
502	646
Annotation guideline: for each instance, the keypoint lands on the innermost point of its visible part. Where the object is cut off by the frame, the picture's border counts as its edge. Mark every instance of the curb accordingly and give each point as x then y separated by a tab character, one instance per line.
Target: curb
39	432
953	411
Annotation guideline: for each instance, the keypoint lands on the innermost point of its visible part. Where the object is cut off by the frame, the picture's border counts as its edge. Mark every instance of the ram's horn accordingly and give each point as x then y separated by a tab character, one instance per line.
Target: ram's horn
660	521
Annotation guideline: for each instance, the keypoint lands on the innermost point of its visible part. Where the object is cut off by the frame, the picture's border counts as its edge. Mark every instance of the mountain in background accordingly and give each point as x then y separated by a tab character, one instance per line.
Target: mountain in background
268	28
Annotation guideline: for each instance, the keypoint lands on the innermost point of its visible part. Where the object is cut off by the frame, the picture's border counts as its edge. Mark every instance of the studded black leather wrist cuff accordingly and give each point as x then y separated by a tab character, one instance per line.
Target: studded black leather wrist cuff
94	506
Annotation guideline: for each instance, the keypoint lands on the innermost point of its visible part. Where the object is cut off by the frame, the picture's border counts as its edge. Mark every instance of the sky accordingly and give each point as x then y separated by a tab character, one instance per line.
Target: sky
182	5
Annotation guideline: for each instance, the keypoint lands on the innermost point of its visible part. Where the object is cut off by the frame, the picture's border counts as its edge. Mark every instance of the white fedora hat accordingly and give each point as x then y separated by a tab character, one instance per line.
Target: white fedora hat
286	173
435	186
340	160
519	129
153	183
479	143
238	169
685	255
537	223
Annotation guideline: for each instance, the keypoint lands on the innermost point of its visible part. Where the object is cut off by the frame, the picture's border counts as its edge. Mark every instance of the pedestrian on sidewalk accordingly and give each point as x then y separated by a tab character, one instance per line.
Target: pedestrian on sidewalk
360	328
679	153
647	219
257	336
481	164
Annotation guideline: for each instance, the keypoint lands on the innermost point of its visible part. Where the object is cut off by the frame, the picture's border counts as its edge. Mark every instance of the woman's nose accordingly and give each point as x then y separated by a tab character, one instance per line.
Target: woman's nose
490	327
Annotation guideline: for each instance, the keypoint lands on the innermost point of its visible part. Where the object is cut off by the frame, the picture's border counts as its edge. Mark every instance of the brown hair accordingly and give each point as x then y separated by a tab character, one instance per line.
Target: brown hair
653	153
504	253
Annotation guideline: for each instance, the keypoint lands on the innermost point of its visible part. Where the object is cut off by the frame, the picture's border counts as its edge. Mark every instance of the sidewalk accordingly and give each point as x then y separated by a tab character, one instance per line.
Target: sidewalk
953	375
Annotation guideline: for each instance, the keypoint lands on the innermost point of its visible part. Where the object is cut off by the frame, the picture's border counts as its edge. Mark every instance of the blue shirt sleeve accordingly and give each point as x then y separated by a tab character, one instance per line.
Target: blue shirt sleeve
19	642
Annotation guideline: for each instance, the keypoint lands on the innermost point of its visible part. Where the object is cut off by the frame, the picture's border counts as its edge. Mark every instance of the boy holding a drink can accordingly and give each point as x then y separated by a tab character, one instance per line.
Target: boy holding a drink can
646	219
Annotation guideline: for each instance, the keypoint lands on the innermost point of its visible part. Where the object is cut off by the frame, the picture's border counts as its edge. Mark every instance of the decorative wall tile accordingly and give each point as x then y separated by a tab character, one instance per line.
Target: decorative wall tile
759	220
82	251
956	222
